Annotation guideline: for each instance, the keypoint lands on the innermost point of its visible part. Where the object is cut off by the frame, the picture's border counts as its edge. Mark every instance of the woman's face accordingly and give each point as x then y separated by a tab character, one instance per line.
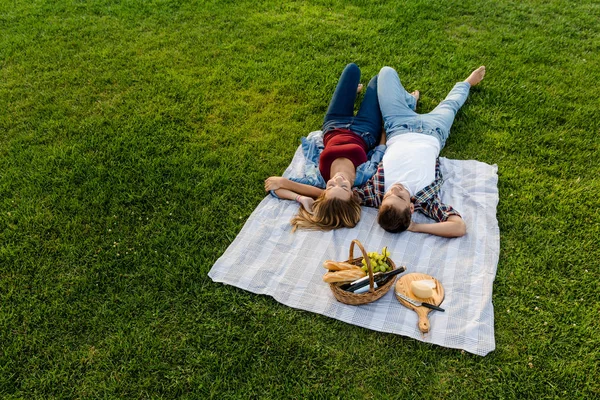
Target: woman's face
338	187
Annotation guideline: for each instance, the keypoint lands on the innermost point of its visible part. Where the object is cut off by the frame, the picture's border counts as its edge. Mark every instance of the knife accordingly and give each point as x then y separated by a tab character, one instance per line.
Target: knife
419	303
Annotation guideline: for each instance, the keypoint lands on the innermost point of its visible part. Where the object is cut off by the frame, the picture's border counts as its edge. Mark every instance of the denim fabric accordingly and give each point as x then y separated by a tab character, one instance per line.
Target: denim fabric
304	167
340	114
398	108
312	146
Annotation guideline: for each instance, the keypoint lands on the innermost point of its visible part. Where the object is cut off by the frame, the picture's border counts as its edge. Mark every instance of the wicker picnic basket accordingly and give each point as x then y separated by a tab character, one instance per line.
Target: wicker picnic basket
373	294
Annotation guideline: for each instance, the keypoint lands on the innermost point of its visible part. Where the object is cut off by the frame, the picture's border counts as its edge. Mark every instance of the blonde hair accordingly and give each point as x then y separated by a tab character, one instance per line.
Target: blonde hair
328	214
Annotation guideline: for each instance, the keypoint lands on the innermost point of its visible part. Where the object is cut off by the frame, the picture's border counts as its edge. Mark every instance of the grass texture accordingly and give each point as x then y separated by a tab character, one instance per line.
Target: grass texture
134	140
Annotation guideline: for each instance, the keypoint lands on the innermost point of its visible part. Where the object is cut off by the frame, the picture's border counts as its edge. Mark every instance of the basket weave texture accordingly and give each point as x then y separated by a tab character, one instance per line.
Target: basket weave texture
373	294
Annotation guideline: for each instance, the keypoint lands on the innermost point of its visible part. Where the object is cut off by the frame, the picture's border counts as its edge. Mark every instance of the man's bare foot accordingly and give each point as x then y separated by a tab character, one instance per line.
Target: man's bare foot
359	88
476	76
416	94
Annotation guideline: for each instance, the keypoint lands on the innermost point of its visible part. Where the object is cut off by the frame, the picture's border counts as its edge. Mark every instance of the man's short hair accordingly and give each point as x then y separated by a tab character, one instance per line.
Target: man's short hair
393	219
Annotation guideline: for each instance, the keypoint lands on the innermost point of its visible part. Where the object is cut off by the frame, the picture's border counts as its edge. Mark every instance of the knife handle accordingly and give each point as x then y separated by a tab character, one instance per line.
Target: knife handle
433	307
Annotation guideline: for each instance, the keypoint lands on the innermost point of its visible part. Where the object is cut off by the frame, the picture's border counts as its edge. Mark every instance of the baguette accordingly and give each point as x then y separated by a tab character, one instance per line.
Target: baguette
339	265
347	275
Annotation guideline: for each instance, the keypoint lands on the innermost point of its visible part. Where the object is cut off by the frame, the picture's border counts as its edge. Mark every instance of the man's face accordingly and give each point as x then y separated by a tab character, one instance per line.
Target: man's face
338	187
397	197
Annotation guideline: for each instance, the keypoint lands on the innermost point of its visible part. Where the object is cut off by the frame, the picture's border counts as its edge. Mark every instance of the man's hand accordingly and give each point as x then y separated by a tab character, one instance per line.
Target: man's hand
274	183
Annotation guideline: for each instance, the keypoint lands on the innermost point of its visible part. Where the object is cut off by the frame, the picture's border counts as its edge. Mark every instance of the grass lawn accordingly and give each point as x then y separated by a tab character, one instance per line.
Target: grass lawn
135	137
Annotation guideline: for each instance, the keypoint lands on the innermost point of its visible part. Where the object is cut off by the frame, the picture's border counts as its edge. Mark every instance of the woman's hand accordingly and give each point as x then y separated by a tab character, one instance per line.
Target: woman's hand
383	139
274	183
307	203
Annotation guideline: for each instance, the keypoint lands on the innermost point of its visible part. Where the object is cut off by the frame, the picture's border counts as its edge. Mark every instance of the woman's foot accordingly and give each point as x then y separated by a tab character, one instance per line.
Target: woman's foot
476	76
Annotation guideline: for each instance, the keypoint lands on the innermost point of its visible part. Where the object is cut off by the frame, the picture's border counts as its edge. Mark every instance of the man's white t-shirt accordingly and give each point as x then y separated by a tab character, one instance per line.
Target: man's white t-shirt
410	159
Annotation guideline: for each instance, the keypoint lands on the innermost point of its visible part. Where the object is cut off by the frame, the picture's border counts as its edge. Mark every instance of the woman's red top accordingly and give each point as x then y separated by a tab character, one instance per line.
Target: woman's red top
341	143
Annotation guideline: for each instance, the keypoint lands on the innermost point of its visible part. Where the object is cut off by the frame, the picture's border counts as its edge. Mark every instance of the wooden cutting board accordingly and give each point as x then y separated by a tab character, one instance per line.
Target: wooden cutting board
403	286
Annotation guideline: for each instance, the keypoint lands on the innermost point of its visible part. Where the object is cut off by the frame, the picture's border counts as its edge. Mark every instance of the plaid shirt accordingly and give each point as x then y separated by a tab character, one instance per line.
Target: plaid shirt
427	200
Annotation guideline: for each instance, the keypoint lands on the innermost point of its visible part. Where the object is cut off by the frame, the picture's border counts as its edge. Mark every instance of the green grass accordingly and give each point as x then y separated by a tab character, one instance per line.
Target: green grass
134	140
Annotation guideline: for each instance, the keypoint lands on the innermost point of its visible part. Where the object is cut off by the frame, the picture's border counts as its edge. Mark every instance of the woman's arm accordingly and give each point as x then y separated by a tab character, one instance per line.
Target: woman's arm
454	226
277	183
305	201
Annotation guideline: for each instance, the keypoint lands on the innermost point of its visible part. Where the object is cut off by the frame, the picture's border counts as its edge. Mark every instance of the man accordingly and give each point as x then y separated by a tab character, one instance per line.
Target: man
408	178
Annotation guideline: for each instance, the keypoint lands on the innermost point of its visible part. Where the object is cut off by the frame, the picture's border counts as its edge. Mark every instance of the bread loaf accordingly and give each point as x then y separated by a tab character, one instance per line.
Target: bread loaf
347	275
339	266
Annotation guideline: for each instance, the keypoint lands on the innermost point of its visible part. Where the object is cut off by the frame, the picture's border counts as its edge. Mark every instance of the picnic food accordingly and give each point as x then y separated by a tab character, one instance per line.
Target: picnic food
344	271
372	294
339	265
347	275
404	289
423	288
378	261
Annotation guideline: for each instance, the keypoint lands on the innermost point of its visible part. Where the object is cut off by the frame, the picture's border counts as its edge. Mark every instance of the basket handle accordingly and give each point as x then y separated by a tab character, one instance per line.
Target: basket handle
366	257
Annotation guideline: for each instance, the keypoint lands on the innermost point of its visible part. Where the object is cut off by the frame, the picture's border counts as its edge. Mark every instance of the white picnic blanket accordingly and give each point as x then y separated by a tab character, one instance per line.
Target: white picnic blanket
267	258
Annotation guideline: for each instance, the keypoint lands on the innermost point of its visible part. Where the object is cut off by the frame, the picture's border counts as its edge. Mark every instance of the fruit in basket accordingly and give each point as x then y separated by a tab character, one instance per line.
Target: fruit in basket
340	271
378	261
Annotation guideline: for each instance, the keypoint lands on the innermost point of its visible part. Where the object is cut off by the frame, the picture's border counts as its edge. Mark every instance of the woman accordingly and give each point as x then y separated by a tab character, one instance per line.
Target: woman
347	139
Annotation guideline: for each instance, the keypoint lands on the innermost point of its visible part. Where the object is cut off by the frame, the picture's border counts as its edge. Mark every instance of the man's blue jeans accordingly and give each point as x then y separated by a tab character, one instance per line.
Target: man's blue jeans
398	108
367	123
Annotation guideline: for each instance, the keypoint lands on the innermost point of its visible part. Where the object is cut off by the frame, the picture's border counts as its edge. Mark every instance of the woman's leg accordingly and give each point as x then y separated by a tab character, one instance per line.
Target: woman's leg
396	104
367	122
341	107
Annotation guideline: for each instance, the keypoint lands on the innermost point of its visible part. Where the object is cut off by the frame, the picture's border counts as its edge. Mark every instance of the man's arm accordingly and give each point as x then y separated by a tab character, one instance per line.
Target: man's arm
454	226
278	183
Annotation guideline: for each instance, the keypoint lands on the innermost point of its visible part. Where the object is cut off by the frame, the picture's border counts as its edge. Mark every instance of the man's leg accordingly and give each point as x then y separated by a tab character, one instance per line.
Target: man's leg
396	104
341	106
442	117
